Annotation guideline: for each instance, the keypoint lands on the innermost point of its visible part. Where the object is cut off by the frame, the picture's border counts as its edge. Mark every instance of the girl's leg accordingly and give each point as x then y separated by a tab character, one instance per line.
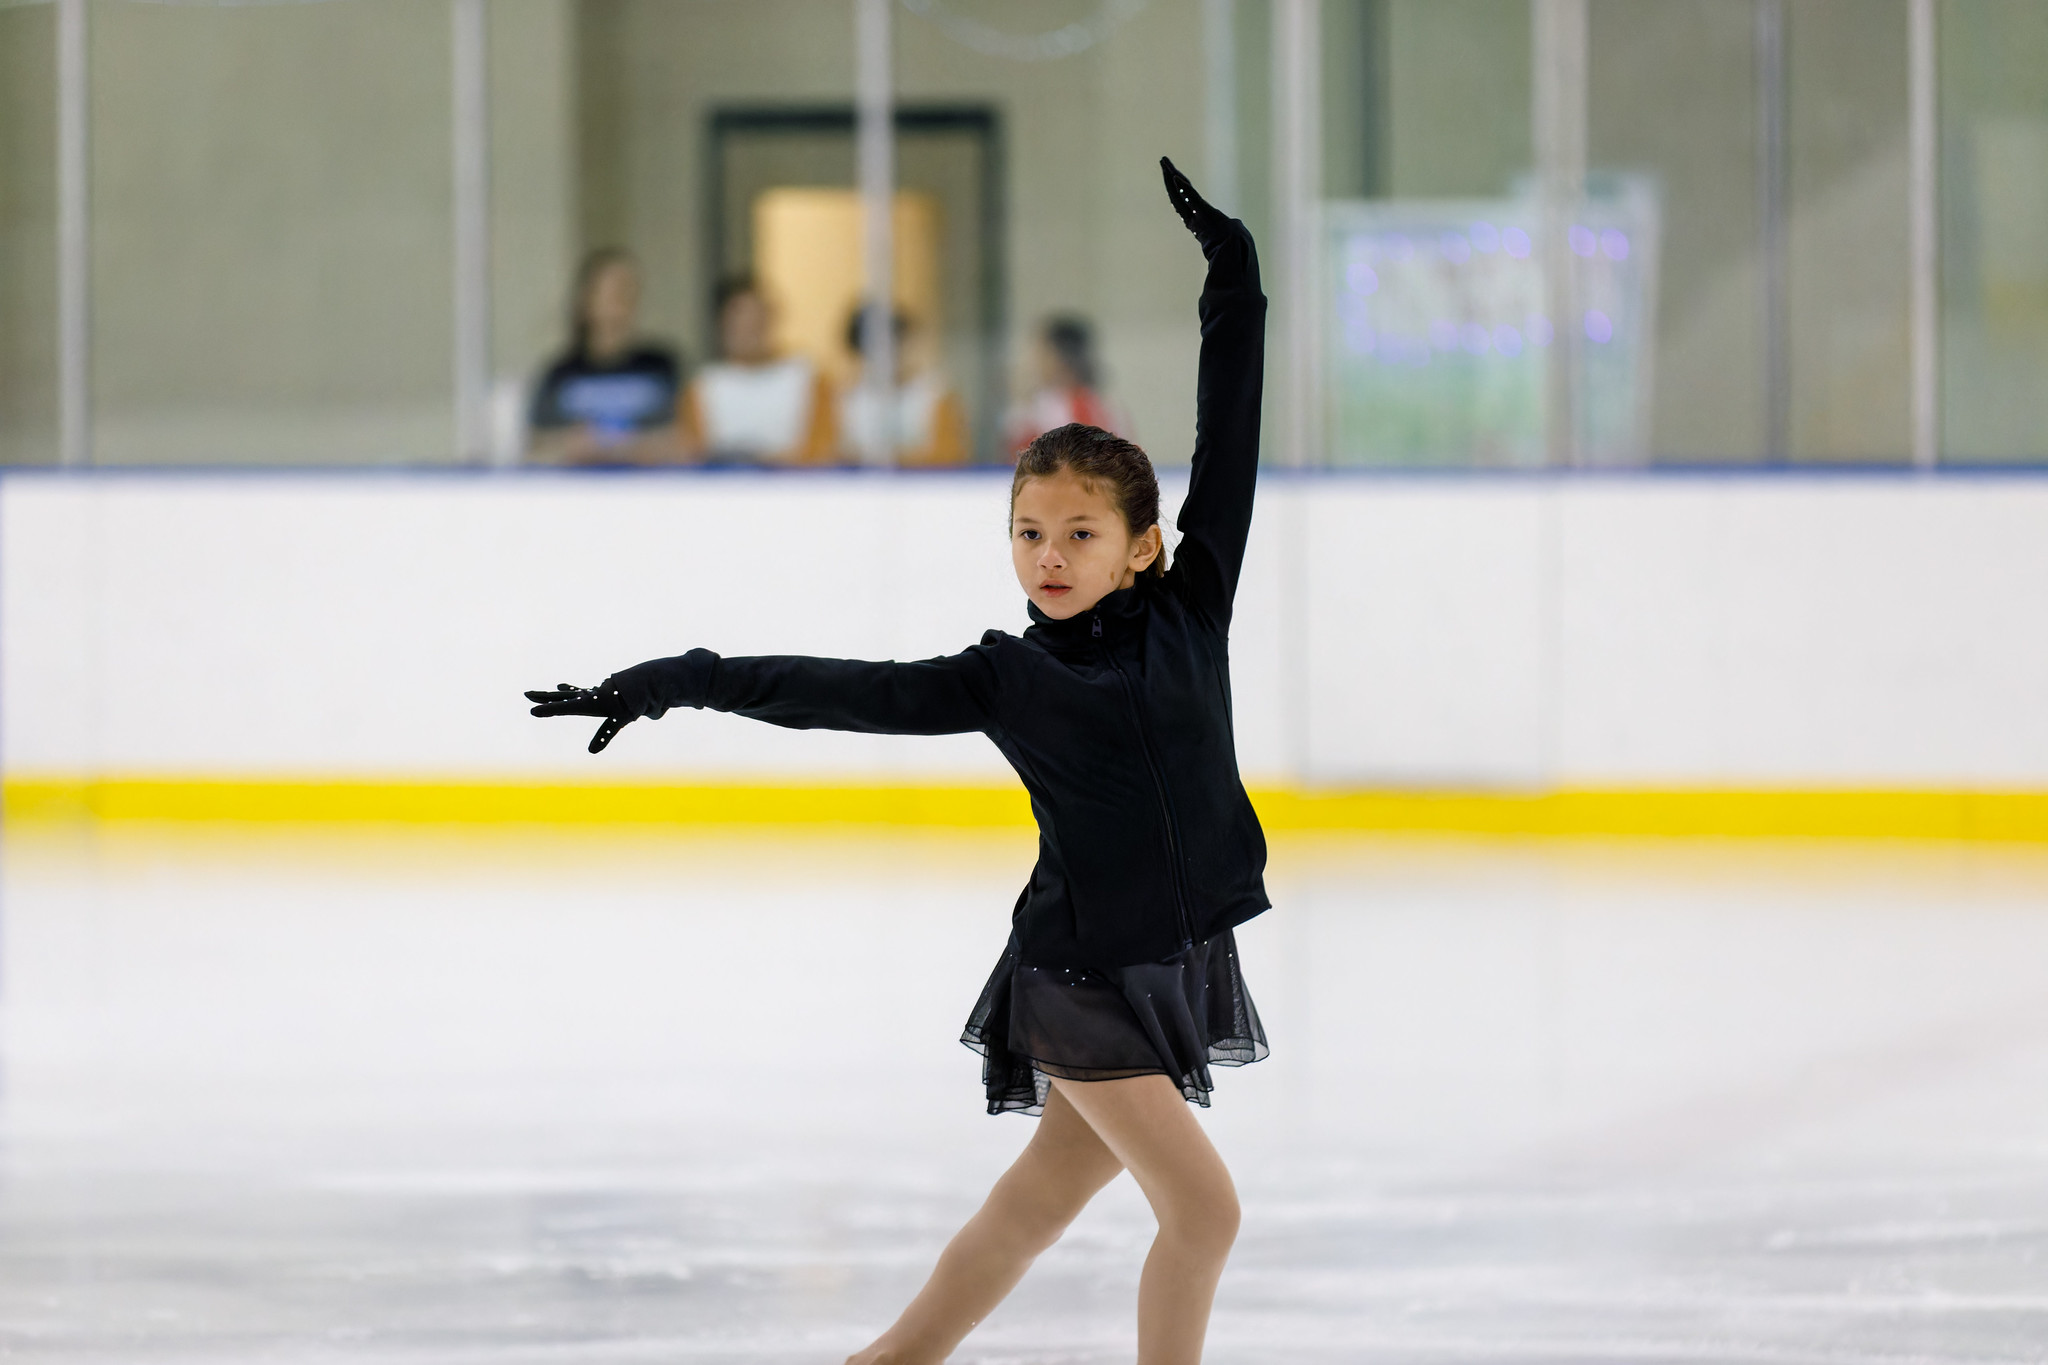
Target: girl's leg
1059	1171
1146	1124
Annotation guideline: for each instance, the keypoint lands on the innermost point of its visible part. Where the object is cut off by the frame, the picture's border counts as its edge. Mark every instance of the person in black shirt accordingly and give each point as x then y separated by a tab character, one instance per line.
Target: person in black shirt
611	397
1120	985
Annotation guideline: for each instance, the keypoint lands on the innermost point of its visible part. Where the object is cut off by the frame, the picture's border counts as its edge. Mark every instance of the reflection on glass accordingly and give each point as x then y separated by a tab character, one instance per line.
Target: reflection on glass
1994	229
28	236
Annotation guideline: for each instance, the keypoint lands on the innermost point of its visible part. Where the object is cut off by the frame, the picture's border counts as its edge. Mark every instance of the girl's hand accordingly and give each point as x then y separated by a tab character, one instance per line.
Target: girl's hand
1211	226
570	700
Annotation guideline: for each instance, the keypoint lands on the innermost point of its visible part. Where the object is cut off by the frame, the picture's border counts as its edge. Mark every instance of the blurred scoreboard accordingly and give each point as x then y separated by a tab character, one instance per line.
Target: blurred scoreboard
1439	336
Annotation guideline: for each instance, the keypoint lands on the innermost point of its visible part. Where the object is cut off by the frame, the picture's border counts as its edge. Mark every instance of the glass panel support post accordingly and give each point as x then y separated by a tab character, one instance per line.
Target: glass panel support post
875	157
1297	161
1558	125
1771	135
1923	184
1219	105
472	216
1297	196
74	239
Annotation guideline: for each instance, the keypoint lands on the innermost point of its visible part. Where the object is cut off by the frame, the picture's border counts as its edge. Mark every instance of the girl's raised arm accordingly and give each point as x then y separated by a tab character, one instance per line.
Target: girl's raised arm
1217	515
945	696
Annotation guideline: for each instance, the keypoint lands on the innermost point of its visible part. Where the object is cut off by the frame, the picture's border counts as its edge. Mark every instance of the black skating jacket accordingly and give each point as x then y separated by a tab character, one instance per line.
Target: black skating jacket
1118	720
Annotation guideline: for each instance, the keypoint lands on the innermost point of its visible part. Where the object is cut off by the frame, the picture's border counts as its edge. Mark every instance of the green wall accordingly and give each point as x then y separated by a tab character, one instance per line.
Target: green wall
28	236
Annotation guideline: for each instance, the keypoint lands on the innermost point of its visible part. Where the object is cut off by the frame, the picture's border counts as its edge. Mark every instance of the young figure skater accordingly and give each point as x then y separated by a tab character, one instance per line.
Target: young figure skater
1120	985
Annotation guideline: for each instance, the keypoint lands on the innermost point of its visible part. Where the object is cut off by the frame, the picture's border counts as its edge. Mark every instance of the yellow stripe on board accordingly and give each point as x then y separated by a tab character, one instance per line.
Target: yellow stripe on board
1865	814
1848	814
511	802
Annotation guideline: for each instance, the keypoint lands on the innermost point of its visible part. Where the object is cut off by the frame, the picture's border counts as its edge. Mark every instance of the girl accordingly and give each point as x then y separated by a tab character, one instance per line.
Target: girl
1069	385
752	405
610	398
1120	984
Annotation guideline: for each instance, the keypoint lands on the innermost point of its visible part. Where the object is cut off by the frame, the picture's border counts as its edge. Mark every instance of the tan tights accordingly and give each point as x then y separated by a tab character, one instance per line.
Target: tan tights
1089	1132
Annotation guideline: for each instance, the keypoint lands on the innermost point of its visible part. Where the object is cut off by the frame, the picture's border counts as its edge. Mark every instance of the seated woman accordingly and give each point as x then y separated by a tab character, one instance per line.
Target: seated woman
928	423
1068	388
610	398
751	406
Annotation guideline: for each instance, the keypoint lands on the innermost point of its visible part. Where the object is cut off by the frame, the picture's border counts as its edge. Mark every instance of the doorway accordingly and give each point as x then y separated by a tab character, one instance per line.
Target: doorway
781	206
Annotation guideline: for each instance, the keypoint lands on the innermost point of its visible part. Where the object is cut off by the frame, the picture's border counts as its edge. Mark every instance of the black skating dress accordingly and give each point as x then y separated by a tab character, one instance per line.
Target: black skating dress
1120	960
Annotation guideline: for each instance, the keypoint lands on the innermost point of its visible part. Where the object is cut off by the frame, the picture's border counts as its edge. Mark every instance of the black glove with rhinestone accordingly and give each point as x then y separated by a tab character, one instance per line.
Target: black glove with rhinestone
1211	226
570	700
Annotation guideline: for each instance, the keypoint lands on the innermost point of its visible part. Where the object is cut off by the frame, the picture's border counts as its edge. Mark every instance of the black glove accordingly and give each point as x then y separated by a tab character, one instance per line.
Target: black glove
1212	227
570	700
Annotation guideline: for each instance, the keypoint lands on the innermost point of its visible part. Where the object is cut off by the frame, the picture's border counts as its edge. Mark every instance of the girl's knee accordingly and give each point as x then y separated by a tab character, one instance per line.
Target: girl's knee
1206	1225
1224	1217
1232	1215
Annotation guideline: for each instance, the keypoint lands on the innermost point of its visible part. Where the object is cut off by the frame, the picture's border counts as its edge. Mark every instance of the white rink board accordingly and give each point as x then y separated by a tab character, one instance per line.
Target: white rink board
1405	632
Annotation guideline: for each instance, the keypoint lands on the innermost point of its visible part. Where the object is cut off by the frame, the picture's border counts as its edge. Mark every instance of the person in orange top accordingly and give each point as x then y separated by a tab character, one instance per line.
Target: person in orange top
929	423
752	406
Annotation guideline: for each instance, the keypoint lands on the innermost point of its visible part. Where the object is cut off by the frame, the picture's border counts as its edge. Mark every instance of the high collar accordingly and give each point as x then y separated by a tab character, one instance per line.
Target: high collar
1115	613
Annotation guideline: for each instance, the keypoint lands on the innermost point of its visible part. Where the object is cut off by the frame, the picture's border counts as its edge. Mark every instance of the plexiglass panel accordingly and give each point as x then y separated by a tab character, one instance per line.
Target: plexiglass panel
1846	242
1457	76
1994	229
535	233
1094	316
1673	106
272	236
1432	297
707	134
271	233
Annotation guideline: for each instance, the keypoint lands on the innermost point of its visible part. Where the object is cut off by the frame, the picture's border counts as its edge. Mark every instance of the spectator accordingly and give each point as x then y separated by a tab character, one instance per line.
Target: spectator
1068	387
611	397
929	425
751	406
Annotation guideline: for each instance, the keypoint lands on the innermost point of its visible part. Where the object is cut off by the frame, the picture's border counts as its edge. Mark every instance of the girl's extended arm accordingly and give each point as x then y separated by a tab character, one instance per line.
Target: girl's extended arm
1217	515
946	696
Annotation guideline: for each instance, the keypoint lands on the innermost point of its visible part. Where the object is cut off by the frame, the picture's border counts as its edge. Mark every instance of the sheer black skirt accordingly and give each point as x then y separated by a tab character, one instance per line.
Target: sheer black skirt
1174	1018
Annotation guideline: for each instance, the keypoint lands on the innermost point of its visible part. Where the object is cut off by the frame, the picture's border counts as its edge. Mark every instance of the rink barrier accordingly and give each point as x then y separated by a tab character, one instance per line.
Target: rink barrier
2010	815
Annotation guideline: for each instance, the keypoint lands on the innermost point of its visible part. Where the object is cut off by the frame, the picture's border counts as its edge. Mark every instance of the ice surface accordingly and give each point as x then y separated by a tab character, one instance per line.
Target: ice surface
533	1096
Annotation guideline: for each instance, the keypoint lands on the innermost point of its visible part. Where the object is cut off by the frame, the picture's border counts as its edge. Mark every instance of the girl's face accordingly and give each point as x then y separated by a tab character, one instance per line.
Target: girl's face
744	328
1052	369
613	302
1070	546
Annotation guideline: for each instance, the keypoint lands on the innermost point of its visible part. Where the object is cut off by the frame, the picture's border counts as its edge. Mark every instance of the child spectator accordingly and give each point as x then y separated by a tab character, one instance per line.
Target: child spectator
926	418
1069	379
751	406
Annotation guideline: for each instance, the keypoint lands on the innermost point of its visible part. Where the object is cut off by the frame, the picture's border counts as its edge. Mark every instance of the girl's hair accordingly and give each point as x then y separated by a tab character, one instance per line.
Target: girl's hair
730	287
1073	341
1106	460
857	327
594	265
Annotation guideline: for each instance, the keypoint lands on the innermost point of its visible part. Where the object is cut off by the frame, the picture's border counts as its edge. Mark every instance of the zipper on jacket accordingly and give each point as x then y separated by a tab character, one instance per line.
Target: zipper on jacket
1180	901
